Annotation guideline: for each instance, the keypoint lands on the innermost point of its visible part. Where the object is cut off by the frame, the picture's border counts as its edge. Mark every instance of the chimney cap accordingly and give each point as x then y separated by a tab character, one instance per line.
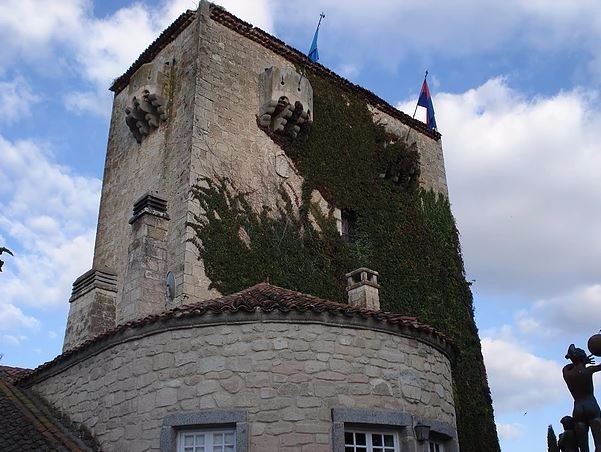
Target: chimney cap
361	269
362	277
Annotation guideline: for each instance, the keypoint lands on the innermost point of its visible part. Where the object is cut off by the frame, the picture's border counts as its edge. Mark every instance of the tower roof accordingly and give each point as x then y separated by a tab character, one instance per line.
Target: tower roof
220	15
261	302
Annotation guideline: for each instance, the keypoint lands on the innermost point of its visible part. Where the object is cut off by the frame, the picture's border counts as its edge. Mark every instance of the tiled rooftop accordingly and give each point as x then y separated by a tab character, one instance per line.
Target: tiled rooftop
11	373
27	424
264	298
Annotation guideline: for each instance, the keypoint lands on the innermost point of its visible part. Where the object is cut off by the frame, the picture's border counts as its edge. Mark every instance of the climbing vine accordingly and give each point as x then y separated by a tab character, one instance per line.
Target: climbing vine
405	233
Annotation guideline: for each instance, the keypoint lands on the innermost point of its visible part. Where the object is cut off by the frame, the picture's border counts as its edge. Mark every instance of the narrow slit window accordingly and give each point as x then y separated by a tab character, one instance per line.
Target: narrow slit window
349	225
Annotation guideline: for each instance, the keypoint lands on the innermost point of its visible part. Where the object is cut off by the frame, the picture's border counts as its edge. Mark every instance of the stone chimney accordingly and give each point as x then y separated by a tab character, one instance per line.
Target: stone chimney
91	307
363	289
144	281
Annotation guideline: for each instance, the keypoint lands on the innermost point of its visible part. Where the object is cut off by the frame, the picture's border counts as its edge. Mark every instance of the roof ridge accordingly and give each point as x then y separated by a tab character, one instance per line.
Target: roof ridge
290	52
227	19
248	300
11	373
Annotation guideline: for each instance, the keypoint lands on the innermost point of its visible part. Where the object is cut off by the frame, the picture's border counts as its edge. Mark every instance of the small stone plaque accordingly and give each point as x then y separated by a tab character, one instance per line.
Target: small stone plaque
282	167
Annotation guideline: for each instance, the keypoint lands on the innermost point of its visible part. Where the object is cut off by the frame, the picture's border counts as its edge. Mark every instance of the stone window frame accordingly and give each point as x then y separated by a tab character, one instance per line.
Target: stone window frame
398	421
369	435
208	438
442	434
204	419
436	445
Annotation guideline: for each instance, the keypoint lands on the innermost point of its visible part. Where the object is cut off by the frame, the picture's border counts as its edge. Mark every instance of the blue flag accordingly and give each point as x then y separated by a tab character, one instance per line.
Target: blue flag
425	100
313	53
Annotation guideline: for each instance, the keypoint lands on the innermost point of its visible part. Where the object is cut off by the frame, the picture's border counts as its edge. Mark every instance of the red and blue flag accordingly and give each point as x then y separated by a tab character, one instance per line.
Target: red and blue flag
425	100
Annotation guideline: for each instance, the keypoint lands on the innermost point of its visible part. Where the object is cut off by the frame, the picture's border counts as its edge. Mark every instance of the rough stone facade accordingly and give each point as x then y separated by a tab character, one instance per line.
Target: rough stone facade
286	376
431	158
161	164
192	109
144	281
208	77
91	307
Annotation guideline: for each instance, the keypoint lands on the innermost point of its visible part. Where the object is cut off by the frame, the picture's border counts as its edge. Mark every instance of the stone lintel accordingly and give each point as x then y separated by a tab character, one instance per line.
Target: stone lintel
95	278
216	417
390	418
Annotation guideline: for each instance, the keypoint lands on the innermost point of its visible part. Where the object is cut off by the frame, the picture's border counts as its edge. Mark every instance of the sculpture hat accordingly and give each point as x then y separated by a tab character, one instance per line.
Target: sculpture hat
575	353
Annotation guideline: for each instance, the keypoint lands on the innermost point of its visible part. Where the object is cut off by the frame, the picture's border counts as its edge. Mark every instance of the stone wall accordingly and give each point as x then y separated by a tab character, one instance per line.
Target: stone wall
226	139
211	80
91	307
431	158
286	376
228	143
159	164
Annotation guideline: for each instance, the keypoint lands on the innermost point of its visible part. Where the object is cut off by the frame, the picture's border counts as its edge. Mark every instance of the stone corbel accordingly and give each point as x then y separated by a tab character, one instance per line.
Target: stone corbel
286	101
146	107
145	114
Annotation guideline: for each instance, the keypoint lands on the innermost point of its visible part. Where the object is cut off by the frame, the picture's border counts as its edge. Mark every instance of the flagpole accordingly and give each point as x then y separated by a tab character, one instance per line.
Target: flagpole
415	111
321	16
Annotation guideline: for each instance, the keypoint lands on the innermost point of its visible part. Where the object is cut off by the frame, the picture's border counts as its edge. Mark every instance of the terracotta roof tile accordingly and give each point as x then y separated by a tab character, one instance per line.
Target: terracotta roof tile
260	297
227	19
12	373
27	424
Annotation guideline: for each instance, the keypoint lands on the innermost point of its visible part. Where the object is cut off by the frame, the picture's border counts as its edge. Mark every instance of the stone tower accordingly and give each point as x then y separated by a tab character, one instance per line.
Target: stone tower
191	107
215	99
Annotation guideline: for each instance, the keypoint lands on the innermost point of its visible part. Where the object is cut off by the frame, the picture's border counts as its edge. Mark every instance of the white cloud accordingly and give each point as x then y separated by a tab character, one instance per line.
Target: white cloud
387	32
16	99
32	21
574	311
113	43
12	318
96	102
523	175
12	339
47	218
98	49
519	380
258	13
510	432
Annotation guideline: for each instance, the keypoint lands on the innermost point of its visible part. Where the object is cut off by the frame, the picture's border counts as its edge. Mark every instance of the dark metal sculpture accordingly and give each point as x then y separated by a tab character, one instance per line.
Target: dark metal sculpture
567	440
4	250
579	379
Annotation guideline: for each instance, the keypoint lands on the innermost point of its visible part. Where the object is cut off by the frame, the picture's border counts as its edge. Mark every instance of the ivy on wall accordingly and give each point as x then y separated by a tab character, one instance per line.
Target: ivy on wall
405	233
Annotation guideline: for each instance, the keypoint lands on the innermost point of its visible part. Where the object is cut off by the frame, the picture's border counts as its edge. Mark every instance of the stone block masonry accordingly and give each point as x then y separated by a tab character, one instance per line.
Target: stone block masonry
209	77
286	376
159	164
92	307
144	289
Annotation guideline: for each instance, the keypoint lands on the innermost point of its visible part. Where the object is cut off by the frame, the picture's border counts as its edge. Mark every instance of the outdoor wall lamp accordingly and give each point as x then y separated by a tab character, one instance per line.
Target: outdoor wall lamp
422	432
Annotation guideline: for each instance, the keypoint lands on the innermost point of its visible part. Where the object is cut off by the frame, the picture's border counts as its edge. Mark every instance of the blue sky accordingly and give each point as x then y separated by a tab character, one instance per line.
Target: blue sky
516	93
